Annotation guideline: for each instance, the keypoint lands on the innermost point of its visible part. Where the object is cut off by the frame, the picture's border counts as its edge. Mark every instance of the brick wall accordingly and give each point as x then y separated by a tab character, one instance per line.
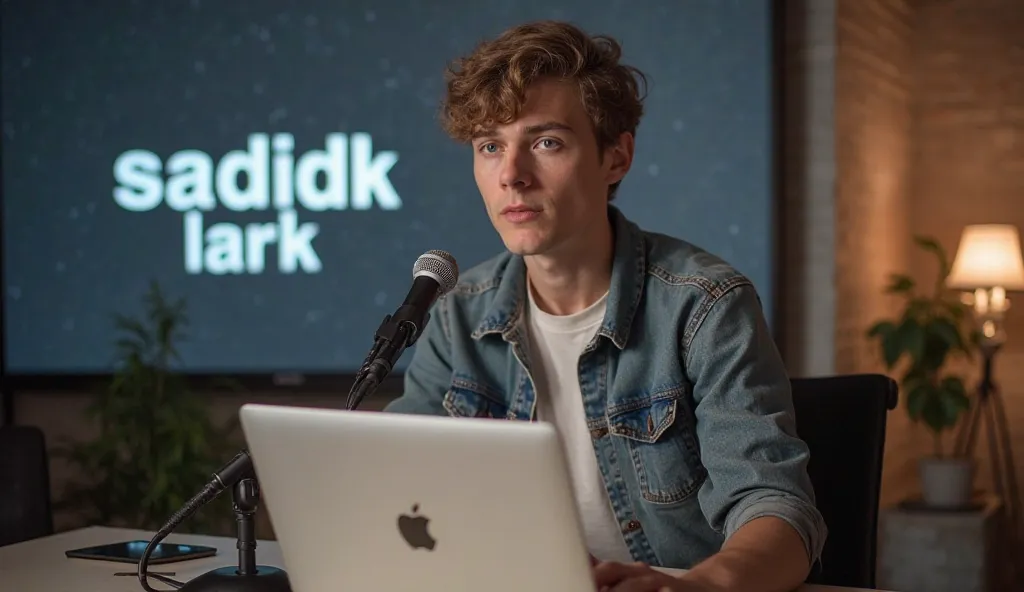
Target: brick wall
968	157
873	93
873	98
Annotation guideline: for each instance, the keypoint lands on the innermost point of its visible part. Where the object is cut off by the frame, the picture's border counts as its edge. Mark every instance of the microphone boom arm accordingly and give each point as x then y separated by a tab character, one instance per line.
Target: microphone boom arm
238	468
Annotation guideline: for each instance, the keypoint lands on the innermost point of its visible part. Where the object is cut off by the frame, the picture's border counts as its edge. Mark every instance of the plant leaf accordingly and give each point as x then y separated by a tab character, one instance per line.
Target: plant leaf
917	399
900	284
946	331
881	329
933	414
892	349
916	336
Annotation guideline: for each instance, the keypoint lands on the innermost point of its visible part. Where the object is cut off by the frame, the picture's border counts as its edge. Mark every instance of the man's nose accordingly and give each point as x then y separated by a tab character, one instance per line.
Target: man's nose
516	170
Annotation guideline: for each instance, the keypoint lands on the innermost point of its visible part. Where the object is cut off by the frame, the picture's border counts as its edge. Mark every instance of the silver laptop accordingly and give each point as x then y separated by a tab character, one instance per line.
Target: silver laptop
363	500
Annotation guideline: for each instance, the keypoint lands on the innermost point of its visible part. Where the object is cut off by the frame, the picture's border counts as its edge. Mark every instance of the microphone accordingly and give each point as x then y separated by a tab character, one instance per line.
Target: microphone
434	274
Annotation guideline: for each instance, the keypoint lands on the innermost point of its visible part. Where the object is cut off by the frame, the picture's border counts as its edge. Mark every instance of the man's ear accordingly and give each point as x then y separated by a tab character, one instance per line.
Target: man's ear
618	158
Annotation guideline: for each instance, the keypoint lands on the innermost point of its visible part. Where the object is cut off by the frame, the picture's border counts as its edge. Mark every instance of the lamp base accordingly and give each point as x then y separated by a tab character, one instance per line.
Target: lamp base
227	579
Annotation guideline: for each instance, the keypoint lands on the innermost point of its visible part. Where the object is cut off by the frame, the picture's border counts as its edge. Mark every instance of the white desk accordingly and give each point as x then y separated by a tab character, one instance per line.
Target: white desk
40	565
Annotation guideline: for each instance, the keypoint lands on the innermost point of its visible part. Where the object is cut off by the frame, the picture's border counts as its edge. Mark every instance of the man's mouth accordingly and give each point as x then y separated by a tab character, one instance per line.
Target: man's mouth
518	209
520	214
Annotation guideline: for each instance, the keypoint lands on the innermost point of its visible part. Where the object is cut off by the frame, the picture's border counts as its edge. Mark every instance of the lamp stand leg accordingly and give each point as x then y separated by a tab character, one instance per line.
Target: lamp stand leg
989	414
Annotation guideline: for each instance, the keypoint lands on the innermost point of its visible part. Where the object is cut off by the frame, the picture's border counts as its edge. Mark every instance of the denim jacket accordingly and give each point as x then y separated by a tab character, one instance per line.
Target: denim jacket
686	396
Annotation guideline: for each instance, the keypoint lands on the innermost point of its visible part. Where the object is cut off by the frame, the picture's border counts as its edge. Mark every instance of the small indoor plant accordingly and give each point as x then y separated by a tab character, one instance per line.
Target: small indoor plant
157	445
932	330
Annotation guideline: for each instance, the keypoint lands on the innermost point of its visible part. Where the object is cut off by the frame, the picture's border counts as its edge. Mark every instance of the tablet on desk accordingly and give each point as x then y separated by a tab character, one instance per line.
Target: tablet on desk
131	552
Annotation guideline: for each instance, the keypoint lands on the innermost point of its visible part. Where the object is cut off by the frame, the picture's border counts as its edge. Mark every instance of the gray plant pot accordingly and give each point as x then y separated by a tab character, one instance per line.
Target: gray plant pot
946	483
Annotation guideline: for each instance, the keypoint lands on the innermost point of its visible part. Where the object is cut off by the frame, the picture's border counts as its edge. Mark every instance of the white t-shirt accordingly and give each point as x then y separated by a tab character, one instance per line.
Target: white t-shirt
556	343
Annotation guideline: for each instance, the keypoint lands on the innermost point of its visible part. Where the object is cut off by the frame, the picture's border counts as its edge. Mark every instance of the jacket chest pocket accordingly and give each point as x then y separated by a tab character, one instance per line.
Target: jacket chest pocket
467	398
662	446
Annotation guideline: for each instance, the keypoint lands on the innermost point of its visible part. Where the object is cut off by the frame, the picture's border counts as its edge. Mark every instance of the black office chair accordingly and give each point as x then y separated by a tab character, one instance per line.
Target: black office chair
25	507
842	419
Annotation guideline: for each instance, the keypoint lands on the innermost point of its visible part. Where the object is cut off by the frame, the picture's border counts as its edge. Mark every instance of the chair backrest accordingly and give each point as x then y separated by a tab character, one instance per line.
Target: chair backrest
842	419
25	508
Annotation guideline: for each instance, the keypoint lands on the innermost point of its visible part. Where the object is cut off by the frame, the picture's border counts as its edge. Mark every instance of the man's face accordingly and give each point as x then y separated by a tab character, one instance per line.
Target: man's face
543	181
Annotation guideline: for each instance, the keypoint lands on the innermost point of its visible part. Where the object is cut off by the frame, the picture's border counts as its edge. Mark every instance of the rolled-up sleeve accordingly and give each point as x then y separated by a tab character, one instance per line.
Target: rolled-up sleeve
746	425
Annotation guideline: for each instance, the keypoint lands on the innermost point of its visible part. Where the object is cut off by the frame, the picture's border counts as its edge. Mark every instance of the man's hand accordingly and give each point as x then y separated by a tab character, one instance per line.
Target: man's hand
639	577
764	555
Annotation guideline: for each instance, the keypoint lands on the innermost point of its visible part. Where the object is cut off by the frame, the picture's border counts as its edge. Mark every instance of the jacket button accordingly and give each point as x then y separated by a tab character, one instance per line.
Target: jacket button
632	525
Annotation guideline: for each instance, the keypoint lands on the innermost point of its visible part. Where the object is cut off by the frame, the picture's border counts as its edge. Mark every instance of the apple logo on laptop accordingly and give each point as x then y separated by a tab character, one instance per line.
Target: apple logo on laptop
414	528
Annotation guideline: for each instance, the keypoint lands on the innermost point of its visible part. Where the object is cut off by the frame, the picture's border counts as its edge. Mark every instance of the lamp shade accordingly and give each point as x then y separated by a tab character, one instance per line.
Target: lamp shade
989	256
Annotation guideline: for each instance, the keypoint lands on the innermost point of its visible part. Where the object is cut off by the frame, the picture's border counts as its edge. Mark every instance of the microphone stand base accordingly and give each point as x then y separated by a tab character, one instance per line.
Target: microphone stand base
227	579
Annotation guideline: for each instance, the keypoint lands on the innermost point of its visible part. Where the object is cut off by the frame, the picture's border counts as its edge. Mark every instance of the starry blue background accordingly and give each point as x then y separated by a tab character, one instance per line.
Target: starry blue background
84	82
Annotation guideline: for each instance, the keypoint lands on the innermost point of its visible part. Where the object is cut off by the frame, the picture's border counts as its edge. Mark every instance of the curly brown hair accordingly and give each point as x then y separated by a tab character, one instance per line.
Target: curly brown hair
488	87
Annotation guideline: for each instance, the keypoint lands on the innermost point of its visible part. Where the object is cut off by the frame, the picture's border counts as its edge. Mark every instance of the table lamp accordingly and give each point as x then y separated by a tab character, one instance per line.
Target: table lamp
988	264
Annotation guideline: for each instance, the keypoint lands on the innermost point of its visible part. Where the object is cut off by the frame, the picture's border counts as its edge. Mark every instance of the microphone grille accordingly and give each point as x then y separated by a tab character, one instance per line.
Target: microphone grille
439	265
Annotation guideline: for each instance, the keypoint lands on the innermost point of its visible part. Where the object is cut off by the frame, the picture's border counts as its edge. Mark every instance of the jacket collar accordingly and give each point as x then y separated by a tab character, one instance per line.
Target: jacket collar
629	266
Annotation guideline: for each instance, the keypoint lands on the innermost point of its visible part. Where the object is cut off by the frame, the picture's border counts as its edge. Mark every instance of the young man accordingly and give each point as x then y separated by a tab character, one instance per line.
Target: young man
650	355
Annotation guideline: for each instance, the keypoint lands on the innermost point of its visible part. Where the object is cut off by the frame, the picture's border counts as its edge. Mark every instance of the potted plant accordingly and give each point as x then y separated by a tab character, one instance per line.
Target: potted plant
157	446
933	329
